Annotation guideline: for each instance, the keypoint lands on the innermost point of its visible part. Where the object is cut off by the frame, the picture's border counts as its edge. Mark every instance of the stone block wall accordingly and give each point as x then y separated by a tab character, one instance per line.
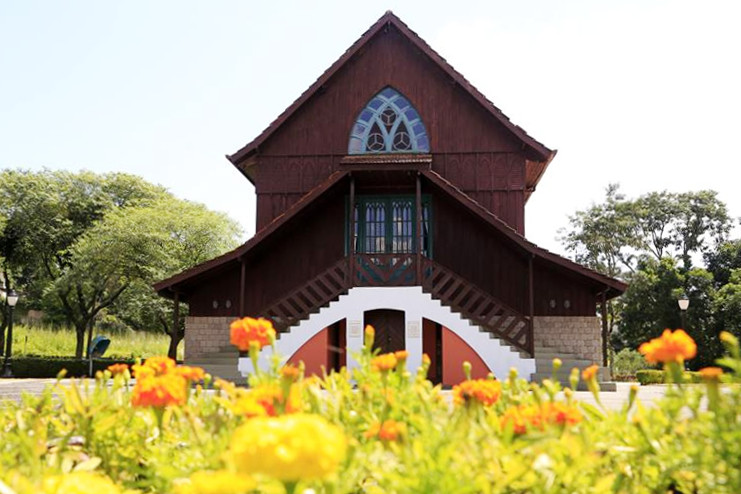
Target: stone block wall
206	335
581	336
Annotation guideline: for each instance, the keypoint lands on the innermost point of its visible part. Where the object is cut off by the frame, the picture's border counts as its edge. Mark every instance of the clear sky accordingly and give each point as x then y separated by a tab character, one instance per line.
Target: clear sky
645	93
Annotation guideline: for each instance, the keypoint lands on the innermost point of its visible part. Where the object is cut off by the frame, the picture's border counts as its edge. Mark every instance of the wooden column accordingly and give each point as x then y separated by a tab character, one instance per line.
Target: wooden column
603	308
531	304
351	236
173	351
419	242
242	281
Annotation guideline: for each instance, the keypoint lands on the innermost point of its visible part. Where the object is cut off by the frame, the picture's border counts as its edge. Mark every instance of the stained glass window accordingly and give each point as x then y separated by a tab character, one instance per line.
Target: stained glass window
388	124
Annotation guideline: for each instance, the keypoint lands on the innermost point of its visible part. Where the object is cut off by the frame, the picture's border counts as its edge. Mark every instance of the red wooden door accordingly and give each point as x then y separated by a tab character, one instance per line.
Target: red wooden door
389	326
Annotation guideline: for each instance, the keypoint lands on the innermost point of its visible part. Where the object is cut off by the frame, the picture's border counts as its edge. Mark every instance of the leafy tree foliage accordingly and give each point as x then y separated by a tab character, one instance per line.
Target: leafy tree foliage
74	243
644	241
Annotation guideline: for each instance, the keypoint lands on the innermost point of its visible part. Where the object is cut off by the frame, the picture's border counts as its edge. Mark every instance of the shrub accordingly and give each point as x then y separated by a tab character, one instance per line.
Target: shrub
626	363
650	376
50	367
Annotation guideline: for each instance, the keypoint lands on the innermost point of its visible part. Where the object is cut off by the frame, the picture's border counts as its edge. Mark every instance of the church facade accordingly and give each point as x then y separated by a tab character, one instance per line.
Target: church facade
393	193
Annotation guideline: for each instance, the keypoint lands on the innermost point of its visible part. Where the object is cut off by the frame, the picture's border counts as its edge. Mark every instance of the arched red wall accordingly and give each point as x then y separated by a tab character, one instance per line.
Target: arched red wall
313	353
455	352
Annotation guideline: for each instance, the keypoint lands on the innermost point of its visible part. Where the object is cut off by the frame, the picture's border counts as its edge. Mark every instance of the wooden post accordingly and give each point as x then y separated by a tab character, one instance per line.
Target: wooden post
173	351
242	281
603	308
351	268
531	304
419	241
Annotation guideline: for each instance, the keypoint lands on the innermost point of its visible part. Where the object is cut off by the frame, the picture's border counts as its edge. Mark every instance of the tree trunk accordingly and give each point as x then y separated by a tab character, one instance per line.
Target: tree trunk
90	325
80	334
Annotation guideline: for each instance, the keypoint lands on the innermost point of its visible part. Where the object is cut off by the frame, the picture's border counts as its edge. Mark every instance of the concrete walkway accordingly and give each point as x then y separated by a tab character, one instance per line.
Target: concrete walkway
13	388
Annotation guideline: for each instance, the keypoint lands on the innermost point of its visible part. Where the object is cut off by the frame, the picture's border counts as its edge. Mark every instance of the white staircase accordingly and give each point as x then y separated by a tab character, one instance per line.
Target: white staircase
416	304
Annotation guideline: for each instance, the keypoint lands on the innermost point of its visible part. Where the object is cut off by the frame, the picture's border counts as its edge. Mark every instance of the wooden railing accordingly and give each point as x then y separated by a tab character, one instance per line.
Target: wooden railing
384	270
309	297
401	270
478	306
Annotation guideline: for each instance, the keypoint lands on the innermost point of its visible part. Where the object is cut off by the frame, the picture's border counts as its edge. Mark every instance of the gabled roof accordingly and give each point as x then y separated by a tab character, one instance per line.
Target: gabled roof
165	287
541	154
616	287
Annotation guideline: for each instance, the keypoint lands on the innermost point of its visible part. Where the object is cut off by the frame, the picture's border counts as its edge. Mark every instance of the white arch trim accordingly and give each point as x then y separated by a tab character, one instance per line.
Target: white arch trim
416	305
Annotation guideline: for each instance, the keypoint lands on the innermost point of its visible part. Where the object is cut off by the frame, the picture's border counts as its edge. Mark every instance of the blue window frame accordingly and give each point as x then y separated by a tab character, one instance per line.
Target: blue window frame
388	124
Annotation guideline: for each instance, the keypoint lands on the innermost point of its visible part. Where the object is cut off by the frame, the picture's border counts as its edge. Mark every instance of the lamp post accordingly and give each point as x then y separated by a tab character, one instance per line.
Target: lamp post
11	299
683	303
2	301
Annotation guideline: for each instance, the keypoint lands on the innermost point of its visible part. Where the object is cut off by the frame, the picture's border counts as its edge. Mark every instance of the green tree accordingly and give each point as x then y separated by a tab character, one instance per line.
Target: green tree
650	306
180	234
75	242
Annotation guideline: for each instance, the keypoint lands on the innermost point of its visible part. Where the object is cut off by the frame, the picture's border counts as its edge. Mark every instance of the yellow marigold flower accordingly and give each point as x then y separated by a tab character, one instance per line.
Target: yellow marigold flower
384	363
247	330
711	373
590	372
288	448
159	391
426	359
116	369
267	400
390	430
80	483
670	347
217	482
190	374
370	335
484	391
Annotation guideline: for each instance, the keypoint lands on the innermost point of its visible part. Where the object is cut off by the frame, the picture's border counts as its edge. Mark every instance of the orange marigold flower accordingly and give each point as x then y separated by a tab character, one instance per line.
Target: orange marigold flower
670	347
484	391
711	373
590	372
384	363
190	374
247	330
390	430
401	355
290	372
117	369
153	366
525	417
159	391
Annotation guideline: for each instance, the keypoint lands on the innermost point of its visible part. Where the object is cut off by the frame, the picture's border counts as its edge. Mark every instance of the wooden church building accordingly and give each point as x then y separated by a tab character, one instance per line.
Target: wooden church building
393	193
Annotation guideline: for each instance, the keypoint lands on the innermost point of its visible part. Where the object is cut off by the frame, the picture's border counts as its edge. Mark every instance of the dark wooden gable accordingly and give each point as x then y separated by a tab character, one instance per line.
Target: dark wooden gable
473	144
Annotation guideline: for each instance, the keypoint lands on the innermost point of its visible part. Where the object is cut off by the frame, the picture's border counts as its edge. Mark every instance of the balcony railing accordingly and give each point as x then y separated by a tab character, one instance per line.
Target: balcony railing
384	270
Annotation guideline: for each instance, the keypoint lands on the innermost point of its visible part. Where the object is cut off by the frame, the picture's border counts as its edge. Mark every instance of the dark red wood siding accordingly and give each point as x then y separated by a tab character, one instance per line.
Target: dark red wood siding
478	253
305	247
471	148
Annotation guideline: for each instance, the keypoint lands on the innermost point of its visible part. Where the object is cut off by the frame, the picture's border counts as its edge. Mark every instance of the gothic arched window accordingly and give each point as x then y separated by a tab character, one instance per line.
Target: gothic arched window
388	124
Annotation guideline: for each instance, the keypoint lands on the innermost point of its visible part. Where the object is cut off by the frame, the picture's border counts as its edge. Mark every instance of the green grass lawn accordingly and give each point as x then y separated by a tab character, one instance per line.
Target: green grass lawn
43	341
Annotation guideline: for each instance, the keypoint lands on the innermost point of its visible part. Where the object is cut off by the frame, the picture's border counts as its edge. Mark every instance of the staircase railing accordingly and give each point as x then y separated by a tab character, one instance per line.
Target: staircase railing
309	297
475	304
451	289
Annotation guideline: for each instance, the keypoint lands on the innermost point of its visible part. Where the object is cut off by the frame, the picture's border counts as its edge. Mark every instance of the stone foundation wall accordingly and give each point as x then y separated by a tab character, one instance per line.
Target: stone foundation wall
206	335
581	336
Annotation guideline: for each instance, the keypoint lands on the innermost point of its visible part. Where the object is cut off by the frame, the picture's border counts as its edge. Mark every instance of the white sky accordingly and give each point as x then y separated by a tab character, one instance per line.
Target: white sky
645	93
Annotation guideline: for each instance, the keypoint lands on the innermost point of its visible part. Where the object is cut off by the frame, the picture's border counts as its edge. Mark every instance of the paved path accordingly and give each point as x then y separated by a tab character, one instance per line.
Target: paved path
13	388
